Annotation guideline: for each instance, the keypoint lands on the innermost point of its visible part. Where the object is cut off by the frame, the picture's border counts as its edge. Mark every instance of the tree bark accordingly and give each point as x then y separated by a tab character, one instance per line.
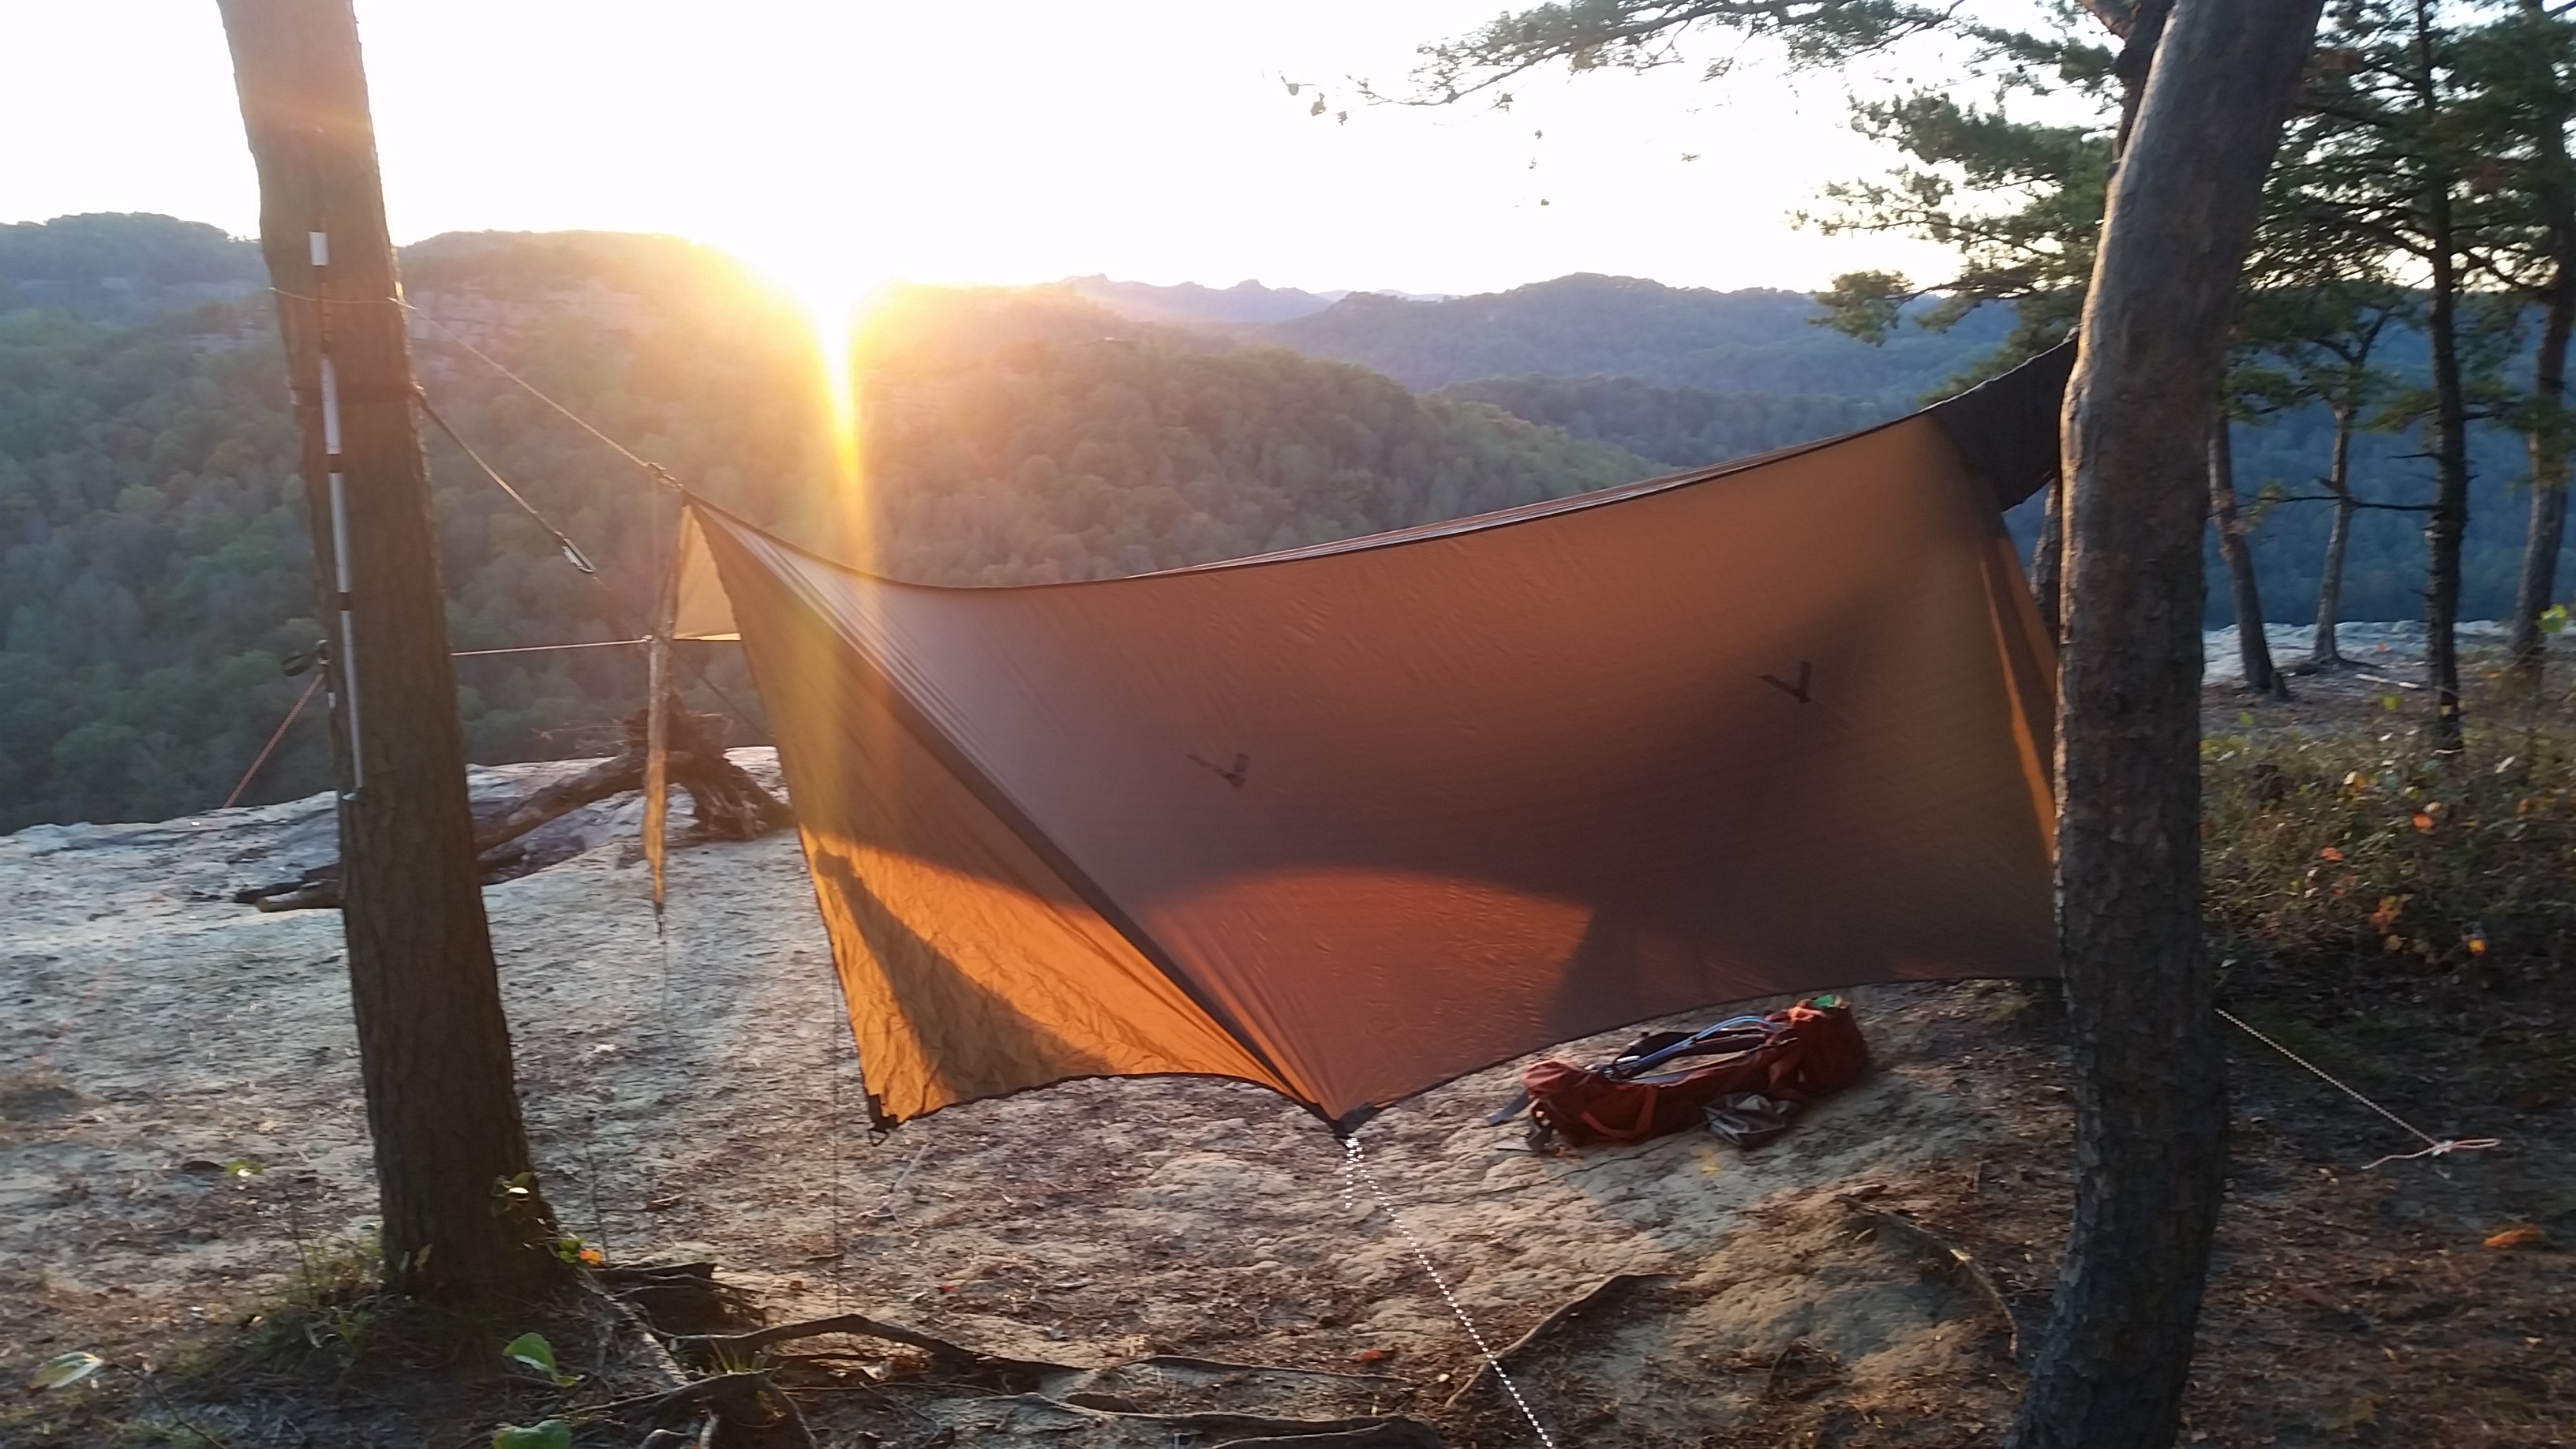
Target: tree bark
2527	648
458	1202
2448	427
2048	558
2326	653
2252	645
2139	35
2150	1100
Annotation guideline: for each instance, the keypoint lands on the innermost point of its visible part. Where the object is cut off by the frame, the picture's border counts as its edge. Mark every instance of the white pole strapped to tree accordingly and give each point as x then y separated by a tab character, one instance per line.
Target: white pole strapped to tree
346	654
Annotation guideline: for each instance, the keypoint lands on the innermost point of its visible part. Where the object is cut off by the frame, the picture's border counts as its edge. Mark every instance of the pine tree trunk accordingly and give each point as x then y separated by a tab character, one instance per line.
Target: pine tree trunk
2252	645
433	1046
2048	557
2527	648
2150	1101
2448	427
2327	653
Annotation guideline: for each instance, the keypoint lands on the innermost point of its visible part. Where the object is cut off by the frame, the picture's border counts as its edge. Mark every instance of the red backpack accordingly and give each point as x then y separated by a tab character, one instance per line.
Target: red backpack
1817	1050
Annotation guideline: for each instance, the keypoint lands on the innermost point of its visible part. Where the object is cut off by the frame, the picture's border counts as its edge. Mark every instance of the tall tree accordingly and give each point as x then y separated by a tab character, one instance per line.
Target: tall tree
2311	339
2245	595
2526	68
2380	158
2020	200
2150	1098
460	1208
2212	81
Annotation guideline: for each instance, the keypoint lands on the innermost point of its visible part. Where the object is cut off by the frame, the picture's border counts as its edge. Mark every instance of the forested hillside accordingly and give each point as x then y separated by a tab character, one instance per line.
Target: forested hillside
153	559
1682	426
122	268
2284	457
1584	325
153	555
1021	437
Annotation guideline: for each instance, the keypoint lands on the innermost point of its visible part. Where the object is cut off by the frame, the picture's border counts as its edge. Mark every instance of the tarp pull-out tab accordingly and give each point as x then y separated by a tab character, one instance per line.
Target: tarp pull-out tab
1350	822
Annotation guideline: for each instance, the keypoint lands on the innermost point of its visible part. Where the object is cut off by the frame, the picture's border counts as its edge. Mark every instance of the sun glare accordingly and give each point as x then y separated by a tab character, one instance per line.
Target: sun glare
833	304
836	294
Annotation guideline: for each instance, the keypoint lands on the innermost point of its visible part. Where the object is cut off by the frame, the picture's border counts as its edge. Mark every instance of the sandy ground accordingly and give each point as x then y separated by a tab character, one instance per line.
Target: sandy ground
703	1101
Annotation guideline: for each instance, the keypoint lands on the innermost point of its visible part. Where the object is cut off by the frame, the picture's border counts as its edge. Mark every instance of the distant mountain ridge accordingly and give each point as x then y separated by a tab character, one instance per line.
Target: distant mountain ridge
1756	340
122	267
1188	304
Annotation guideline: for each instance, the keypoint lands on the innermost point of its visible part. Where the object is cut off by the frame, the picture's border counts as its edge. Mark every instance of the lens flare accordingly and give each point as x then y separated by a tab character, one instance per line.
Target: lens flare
832	308
836	294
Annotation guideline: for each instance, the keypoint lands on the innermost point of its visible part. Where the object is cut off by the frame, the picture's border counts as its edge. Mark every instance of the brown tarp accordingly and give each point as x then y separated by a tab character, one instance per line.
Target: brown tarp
1351	821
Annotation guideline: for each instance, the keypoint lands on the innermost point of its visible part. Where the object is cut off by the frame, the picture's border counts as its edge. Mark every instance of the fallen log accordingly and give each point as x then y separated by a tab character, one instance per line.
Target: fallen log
727	803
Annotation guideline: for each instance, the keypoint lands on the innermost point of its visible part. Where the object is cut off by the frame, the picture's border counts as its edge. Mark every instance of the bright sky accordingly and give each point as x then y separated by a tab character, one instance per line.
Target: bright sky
1011	141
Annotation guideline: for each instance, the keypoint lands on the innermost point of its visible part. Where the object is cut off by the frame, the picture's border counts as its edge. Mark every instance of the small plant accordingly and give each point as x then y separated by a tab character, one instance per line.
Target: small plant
64	1370
531	1350
571	1249
333	1305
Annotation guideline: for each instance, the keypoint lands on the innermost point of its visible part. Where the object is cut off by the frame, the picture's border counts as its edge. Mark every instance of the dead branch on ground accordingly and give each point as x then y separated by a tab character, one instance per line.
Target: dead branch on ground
728	804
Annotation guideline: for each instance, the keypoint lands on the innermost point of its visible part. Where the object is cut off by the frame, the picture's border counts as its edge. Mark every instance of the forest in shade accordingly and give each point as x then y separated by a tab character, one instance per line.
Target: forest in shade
154	567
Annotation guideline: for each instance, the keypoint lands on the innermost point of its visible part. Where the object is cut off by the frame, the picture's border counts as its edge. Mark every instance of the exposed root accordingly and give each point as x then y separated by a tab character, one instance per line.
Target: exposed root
1946	1257
739	1347
1614	1286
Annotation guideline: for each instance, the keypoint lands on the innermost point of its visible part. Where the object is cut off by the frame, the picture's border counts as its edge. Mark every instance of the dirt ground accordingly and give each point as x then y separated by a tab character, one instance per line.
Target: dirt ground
698	1100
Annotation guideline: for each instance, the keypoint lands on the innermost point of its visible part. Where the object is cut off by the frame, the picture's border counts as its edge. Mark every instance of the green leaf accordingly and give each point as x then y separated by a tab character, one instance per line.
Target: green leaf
533	1350
2553	620
545	1434
64	1369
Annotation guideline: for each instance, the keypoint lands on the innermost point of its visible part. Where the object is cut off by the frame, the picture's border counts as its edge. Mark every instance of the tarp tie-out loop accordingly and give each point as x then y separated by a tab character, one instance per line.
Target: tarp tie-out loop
1355	1172
2433	1146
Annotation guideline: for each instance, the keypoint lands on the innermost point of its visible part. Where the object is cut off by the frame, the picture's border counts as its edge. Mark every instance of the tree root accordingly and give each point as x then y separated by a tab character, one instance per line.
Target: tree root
1946	1257
1015	1373
746	1399
1599	1293
1222	1366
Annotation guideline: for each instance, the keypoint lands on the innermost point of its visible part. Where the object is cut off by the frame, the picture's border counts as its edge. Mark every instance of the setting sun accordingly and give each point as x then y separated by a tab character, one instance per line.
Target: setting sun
835	301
